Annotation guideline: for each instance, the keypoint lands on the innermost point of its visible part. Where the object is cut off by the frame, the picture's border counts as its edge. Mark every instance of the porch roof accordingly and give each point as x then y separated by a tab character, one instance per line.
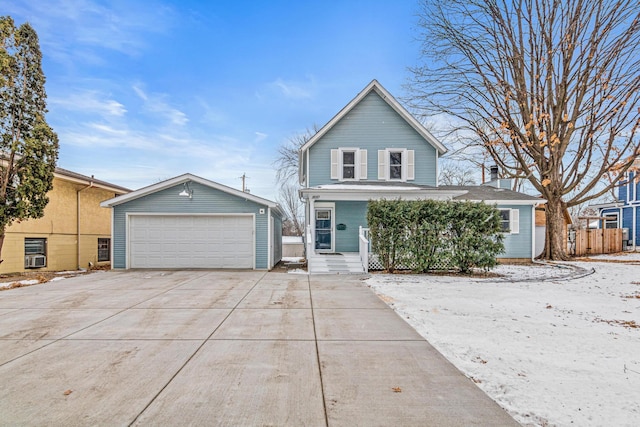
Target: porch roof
378	190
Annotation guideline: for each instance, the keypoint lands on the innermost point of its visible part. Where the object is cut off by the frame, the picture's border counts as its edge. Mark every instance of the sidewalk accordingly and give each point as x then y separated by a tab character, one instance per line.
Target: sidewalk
222	348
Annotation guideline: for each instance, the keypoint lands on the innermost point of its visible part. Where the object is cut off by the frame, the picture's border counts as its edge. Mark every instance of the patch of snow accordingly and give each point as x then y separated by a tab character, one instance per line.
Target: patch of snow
297	271
553	352
292	259
25	282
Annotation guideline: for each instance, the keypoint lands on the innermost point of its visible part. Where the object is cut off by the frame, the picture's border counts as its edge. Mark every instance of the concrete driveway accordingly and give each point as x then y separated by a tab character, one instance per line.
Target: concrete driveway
222	348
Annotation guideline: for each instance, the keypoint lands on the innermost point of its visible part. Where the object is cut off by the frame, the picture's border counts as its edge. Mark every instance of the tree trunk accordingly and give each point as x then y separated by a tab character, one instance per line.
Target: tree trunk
1	243
555	244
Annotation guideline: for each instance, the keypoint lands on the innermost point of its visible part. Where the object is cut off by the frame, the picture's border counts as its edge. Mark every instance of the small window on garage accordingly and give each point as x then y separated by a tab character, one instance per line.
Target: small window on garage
35	251
104	249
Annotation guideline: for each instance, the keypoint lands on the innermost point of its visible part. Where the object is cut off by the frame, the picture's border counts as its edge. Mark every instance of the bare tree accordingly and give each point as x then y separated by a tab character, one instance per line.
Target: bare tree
549	87
287	162
290	202
456	174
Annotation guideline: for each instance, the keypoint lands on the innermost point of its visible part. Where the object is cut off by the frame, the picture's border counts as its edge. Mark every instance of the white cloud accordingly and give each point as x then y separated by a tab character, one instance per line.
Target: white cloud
90	101
157	104
295	89
260	136
71	29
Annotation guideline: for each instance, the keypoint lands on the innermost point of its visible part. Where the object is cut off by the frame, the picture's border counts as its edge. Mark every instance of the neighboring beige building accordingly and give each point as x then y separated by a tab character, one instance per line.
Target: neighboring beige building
75	232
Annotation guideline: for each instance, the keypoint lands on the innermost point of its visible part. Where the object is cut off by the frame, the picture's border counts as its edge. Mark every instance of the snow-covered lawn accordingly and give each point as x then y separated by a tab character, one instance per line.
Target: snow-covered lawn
551	352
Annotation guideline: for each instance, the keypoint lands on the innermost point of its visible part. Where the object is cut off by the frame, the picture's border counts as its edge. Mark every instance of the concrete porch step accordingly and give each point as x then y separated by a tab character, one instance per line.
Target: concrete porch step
335	264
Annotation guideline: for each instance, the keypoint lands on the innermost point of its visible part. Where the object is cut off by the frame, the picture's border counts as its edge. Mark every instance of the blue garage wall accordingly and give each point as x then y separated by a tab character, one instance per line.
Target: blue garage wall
205	200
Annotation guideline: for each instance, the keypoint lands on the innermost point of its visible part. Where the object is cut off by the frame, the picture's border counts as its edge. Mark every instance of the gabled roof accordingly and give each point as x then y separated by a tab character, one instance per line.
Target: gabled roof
187	177
88	180
392	102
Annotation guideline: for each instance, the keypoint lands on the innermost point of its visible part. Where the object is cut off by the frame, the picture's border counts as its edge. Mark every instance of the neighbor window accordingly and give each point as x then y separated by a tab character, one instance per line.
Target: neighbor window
348	165
104	249
35	251
611	220
35	246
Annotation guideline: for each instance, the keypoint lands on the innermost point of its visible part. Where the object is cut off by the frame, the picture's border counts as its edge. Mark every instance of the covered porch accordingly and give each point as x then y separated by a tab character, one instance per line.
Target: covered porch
336	236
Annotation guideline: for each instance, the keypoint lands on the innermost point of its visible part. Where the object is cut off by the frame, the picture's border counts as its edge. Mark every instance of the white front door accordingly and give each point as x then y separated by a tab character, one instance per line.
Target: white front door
324	229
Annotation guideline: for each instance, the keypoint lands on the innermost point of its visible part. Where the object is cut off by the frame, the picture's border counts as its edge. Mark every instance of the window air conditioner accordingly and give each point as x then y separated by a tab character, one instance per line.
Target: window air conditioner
35	261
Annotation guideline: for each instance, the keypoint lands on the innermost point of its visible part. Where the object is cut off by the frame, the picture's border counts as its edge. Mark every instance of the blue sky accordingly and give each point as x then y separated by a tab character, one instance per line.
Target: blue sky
141	91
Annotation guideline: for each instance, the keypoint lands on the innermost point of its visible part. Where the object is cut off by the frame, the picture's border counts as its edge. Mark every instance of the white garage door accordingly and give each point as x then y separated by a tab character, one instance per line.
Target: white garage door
166	241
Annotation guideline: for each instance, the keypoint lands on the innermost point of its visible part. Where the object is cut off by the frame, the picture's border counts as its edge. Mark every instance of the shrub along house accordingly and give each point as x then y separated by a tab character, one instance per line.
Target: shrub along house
191	222
375	149
73	233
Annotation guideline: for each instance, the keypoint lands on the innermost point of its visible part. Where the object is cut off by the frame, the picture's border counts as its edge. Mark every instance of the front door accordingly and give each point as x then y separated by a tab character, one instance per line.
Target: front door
324	229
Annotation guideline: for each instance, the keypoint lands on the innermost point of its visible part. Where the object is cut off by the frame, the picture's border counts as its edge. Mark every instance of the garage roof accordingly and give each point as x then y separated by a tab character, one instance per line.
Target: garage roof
187	177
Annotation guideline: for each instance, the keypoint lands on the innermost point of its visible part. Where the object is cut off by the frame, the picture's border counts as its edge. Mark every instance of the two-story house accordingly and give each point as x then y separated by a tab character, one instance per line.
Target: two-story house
624	212
375	149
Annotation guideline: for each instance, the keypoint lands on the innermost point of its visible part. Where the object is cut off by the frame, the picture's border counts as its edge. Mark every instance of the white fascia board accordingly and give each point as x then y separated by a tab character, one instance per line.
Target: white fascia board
390	194
509	202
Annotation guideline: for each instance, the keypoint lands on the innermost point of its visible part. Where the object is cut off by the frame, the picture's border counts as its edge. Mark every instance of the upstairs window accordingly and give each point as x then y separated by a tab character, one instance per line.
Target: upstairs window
348	164
396	164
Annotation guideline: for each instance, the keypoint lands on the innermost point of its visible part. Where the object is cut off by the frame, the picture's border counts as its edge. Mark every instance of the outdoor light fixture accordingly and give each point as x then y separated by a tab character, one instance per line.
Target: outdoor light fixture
186	191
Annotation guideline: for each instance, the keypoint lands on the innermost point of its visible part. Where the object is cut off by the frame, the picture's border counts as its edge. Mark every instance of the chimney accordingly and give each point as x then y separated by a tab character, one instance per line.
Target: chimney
494	173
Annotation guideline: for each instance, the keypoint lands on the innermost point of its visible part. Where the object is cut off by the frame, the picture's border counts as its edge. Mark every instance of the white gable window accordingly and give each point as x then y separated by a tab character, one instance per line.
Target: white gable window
510	221
348	164
396	164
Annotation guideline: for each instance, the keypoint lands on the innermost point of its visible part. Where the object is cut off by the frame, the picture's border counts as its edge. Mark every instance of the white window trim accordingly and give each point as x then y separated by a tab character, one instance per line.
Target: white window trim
514	220
407	167
360	166
611	215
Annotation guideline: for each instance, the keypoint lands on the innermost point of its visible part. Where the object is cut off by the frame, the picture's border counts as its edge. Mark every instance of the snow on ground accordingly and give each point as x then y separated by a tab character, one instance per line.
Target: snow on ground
551	352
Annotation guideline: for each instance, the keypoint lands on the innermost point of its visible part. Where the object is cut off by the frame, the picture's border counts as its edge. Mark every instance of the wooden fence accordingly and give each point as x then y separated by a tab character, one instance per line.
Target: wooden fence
596	241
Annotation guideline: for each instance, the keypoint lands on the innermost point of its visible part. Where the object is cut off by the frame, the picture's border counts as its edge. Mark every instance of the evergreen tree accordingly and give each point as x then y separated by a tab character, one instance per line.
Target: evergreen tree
28	145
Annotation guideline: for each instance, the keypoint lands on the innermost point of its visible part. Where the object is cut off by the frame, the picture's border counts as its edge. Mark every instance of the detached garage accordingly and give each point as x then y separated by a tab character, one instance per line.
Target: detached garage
191	222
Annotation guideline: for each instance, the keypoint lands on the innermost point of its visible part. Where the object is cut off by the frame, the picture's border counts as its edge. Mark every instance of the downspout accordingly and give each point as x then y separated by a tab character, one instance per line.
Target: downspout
78	219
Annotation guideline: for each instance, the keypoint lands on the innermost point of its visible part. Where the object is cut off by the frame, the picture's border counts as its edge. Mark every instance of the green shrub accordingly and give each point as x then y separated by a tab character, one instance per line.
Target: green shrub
433	235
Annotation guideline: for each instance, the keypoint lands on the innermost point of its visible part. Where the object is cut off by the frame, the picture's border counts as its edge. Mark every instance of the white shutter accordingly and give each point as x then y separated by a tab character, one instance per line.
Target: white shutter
514	221
363	163
382	164
411	165
334	164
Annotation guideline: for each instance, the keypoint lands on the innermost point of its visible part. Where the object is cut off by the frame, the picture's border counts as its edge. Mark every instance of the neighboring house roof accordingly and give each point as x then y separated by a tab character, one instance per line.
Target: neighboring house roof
393	103
88	180
492	195
181	179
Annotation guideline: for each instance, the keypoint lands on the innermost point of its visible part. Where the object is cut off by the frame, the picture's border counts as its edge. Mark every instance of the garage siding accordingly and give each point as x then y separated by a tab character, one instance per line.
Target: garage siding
205	200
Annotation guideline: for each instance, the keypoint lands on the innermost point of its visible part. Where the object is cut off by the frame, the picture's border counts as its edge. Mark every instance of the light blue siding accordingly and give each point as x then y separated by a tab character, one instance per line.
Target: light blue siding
205	200
519	245
372	125
352	215
277	238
